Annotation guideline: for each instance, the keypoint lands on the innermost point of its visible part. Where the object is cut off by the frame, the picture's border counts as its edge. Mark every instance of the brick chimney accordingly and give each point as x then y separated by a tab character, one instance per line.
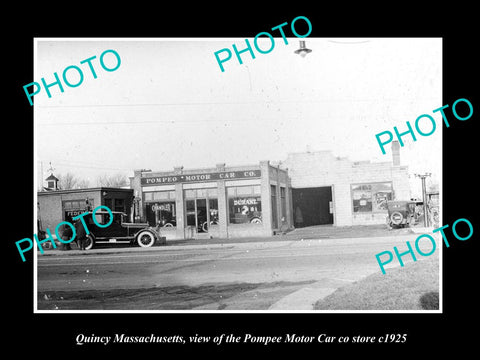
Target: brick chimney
396	153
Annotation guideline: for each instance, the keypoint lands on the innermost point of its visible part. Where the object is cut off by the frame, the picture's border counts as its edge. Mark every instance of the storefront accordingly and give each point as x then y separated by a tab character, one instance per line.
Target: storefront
220	202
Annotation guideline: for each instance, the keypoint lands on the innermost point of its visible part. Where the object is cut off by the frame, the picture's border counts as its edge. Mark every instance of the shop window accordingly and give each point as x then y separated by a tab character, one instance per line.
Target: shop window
244	204
371	198
72	208
161	213
190	194
201	193
212	193
159	195
160	208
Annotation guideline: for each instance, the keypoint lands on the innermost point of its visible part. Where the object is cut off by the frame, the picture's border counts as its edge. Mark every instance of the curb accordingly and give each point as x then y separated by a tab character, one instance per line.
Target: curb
250	245
306	298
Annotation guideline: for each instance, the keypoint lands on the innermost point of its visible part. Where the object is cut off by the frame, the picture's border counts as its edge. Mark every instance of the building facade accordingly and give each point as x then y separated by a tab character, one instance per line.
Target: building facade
219	202
55	206
310	188
332	190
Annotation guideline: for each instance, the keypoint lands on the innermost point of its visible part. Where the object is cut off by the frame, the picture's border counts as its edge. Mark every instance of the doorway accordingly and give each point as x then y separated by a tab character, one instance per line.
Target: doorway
201	214
312	206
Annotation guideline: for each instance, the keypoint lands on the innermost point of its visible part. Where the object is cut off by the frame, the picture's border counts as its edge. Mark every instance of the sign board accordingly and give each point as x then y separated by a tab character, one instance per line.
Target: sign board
227	175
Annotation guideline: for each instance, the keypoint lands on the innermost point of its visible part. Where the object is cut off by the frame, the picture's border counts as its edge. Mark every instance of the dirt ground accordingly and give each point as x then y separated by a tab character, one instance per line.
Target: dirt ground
206	297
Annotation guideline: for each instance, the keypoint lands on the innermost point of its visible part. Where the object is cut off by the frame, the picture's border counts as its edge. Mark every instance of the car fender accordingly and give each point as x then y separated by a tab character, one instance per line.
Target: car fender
150	229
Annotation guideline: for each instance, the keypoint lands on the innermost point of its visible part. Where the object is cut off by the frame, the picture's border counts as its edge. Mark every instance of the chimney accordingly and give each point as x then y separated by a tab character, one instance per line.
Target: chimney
396	153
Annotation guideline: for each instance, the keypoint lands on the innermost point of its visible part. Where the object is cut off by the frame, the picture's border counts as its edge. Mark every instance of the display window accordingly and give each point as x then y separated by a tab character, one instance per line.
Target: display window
371	198
161	209
72	208
244	204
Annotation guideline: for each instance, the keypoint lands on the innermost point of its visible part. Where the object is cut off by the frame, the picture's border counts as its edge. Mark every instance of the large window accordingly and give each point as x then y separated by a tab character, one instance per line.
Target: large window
373	197
160	208
72	208
244	204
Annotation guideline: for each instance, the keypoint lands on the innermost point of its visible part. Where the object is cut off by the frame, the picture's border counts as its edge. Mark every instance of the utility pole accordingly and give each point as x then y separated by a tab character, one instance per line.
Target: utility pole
424	197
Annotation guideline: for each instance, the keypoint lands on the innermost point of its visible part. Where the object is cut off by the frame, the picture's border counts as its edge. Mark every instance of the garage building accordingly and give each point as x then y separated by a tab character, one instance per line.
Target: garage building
217	202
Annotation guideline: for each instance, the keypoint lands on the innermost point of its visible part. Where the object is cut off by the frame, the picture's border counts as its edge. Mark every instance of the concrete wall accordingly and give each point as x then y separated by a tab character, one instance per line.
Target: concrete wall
315	169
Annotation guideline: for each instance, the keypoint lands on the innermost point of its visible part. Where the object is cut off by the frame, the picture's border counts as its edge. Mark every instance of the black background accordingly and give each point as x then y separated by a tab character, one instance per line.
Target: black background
54	334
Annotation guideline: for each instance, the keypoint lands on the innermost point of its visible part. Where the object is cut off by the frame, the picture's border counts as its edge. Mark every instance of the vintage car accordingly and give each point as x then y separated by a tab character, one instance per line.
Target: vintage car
400	213
119	232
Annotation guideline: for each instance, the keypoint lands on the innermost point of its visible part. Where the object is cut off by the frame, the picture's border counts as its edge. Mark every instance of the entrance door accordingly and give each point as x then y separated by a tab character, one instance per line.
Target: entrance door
200	213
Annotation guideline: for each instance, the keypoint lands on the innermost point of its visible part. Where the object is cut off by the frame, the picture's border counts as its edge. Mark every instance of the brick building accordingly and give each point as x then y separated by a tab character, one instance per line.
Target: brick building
219	202
332	190
55	206
310	188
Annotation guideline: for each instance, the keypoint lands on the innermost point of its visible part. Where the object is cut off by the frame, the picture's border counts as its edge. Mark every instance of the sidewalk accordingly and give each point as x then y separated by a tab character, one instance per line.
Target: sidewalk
320	232
302	236
307	233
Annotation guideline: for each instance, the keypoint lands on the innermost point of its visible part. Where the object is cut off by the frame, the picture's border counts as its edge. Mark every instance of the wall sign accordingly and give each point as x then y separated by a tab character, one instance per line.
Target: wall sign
172	179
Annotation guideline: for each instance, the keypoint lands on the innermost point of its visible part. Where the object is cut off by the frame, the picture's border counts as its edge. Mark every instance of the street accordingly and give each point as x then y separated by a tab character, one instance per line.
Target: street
241	276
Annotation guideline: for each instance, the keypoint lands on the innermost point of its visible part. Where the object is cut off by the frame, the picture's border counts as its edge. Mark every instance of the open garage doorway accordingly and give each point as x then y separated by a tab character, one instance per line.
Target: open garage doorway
312	206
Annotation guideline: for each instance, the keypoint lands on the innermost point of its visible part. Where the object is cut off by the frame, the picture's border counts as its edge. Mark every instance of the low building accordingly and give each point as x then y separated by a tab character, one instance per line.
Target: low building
309	188
333	190
217	202
55	206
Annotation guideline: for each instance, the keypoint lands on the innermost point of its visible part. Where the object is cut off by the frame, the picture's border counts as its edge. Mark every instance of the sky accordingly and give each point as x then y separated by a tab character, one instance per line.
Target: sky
168	104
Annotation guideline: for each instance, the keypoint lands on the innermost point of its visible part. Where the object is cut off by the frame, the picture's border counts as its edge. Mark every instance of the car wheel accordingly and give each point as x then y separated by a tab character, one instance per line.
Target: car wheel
145	239
256	221
89	242
169	225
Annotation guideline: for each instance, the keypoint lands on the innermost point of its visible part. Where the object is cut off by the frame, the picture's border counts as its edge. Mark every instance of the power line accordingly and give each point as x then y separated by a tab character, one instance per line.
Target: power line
222	103
72	164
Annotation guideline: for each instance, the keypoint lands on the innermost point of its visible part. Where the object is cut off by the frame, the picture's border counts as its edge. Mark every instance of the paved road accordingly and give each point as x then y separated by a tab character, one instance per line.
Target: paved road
290	265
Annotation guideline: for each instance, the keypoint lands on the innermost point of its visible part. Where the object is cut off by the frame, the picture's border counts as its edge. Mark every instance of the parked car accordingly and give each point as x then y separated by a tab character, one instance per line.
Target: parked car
119	231
400	213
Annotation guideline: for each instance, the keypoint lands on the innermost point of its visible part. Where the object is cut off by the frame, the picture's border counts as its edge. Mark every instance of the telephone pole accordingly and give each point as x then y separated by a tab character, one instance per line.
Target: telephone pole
424	197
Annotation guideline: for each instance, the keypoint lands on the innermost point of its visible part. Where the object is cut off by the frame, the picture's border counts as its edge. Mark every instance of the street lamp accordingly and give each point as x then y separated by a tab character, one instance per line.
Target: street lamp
303	51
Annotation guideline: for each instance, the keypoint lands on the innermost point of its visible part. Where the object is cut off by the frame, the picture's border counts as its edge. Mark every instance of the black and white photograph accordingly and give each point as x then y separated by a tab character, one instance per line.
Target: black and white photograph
214	180
253	186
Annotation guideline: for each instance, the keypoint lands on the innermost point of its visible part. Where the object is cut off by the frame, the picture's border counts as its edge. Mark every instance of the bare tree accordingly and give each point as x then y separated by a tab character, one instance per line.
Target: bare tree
83	184
116	180
70	181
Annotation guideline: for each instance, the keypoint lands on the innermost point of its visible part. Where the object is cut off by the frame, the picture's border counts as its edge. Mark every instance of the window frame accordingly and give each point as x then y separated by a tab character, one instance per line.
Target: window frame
374	190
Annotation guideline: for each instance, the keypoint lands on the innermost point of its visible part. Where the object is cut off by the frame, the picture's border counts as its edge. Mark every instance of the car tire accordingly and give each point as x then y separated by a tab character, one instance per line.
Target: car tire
145	239
256	220
168	225
89	242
